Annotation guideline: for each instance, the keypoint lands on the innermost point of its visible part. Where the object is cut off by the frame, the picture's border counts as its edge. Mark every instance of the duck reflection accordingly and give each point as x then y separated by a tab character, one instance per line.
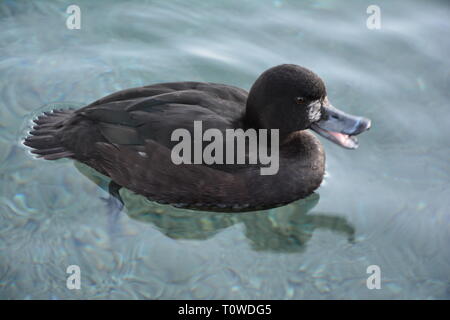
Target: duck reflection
283	229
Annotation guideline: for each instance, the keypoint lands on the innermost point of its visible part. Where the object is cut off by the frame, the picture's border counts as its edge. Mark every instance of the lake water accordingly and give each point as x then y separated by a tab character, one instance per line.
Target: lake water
385	204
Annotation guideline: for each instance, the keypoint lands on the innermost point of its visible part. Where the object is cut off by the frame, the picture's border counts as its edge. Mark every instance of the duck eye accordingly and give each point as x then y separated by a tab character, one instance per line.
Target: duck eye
299	100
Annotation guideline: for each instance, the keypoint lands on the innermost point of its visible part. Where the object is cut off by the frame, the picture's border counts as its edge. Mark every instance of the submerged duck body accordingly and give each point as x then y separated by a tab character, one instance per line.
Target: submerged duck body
127	136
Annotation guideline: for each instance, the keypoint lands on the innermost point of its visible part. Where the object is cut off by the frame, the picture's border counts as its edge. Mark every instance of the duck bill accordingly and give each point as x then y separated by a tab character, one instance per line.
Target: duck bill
340	127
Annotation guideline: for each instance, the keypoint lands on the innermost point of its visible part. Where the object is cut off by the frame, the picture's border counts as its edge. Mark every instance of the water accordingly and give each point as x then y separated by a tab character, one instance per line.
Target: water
386	204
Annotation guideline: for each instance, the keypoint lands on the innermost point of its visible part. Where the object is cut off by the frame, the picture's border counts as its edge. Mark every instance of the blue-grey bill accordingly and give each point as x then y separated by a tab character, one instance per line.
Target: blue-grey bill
340	127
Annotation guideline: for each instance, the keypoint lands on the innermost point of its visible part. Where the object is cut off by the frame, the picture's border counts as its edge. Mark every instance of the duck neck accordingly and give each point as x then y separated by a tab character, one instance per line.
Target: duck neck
254	120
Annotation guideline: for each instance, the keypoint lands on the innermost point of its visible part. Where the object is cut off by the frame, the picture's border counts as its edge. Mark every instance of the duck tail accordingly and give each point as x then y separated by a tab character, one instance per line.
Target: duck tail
43	139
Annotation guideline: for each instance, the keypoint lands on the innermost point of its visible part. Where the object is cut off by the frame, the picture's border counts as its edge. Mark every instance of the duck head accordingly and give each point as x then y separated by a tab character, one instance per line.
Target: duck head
291	98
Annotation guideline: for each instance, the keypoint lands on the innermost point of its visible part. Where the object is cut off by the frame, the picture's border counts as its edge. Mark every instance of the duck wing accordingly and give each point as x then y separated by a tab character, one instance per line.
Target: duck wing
132	116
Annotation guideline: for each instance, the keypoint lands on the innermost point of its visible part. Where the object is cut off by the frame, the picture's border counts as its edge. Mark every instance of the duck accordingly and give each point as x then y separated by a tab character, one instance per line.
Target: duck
128	137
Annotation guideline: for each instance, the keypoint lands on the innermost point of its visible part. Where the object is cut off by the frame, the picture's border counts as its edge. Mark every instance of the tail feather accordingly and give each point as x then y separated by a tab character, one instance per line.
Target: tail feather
48	151
43	139
41	132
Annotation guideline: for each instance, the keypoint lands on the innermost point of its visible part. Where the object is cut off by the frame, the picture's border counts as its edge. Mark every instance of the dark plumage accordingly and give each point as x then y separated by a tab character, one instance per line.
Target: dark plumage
127	136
